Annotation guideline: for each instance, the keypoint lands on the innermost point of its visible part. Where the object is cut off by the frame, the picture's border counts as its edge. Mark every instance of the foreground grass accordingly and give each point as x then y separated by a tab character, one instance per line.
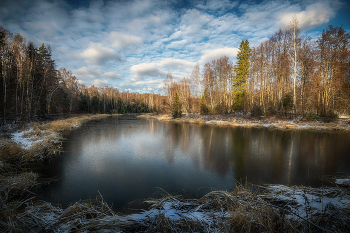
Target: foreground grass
240	210
277	209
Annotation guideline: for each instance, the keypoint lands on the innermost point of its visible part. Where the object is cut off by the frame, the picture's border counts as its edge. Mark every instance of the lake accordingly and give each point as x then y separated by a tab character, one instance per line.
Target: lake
128	159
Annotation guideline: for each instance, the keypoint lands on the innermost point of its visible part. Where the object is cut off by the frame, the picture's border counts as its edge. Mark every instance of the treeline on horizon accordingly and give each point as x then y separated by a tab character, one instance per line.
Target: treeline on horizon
288	73
31	88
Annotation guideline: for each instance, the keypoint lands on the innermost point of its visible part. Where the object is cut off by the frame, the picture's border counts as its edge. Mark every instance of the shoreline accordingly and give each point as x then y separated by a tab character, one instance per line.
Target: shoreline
239	209
341	124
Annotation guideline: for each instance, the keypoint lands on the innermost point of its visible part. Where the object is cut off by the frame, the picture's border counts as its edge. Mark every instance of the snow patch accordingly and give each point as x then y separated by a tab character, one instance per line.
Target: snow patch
27	140
343	182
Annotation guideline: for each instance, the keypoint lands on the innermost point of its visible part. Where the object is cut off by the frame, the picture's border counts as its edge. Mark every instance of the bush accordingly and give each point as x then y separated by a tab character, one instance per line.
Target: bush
177	113
329	116
256	111
288	102
311	116
203	108
270	111
219	109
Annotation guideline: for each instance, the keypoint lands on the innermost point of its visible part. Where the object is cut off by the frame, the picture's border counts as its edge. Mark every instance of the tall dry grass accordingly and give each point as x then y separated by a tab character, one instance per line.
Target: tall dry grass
16	184
241	210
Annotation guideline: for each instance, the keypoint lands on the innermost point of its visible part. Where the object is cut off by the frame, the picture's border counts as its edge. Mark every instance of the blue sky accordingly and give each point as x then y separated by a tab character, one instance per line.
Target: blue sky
131	45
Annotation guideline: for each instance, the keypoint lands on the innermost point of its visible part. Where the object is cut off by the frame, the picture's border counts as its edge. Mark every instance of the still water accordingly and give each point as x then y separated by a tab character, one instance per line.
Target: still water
127	159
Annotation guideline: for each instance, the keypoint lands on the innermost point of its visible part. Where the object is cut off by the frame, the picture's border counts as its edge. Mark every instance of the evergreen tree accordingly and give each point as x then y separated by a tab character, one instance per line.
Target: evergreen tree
241	69
177	113
242	66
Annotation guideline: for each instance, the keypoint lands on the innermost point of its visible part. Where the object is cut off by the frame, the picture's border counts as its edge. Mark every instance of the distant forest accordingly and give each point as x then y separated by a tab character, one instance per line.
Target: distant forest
289	73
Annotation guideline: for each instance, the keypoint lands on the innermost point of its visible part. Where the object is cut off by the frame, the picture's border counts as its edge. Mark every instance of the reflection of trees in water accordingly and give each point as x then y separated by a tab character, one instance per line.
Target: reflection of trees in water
262	155
216	154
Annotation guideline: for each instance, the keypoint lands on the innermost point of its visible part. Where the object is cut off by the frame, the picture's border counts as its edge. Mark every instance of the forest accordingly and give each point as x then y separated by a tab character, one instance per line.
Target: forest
289	73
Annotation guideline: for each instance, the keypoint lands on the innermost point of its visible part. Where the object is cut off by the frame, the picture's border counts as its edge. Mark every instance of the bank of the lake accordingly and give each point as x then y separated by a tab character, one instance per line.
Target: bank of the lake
276	208
239	120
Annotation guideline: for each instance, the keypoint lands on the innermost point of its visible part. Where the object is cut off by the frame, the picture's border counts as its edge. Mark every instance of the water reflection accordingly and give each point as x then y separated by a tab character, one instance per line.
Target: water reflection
126	159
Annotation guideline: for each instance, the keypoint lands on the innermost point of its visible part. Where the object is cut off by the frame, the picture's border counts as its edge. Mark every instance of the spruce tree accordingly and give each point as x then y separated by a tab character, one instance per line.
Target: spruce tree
242	66
176	107
241	69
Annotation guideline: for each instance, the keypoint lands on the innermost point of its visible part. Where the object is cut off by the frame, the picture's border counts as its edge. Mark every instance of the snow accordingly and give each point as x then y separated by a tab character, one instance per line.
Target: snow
343	182
26	140
216	122
303	201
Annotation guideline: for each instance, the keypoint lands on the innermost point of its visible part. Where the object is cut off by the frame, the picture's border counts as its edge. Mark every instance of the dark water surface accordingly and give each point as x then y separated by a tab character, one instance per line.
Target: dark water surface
126	159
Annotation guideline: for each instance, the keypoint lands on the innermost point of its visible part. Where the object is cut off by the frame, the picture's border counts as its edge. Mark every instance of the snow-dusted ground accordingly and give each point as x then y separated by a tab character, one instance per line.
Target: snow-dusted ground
245	121
343	182
27	139
216	212
304	201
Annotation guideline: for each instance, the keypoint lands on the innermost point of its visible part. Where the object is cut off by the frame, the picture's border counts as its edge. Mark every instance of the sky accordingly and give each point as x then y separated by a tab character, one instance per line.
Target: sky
132	45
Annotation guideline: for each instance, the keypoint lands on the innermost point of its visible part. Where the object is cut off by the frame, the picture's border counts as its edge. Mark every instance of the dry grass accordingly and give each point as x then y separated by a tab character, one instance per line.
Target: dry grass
82	216
219	211
13	189
10	151
244	211
40	140
244	121
15	184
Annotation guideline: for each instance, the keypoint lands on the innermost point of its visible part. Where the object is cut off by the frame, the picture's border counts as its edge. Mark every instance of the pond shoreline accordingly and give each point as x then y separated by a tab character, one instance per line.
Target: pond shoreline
236	120
221	211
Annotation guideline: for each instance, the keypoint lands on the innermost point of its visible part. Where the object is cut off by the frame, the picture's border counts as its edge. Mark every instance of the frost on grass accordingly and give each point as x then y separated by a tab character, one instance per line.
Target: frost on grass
280	209
40	139
326	208
343	182
245	121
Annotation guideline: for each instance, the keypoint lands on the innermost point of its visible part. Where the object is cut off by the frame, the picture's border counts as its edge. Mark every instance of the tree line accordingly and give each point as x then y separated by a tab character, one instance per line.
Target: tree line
31	88
289	73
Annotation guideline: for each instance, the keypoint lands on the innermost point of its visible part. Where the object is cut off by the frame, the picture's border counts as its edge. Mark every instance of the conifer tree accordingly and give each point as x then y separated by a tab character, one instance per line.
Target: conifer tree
177	113
242	66
241	70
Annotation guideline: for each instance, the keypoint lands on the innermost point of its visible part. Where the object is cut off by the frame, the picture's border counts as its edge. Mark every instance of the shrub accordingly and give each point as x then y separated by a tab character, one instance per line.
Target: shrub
311	116
287	102
177	113
256	111
219	109
203	108
329	116
270	111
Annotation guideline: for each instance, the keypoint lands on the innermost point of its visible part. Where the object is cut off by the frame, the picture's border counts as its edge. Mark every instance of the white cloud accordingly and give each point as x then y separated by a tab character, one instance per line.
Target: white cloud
178	67
209	55
121	40
146	82
100	83
314	15
99	54
178	64
146	69
85	73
